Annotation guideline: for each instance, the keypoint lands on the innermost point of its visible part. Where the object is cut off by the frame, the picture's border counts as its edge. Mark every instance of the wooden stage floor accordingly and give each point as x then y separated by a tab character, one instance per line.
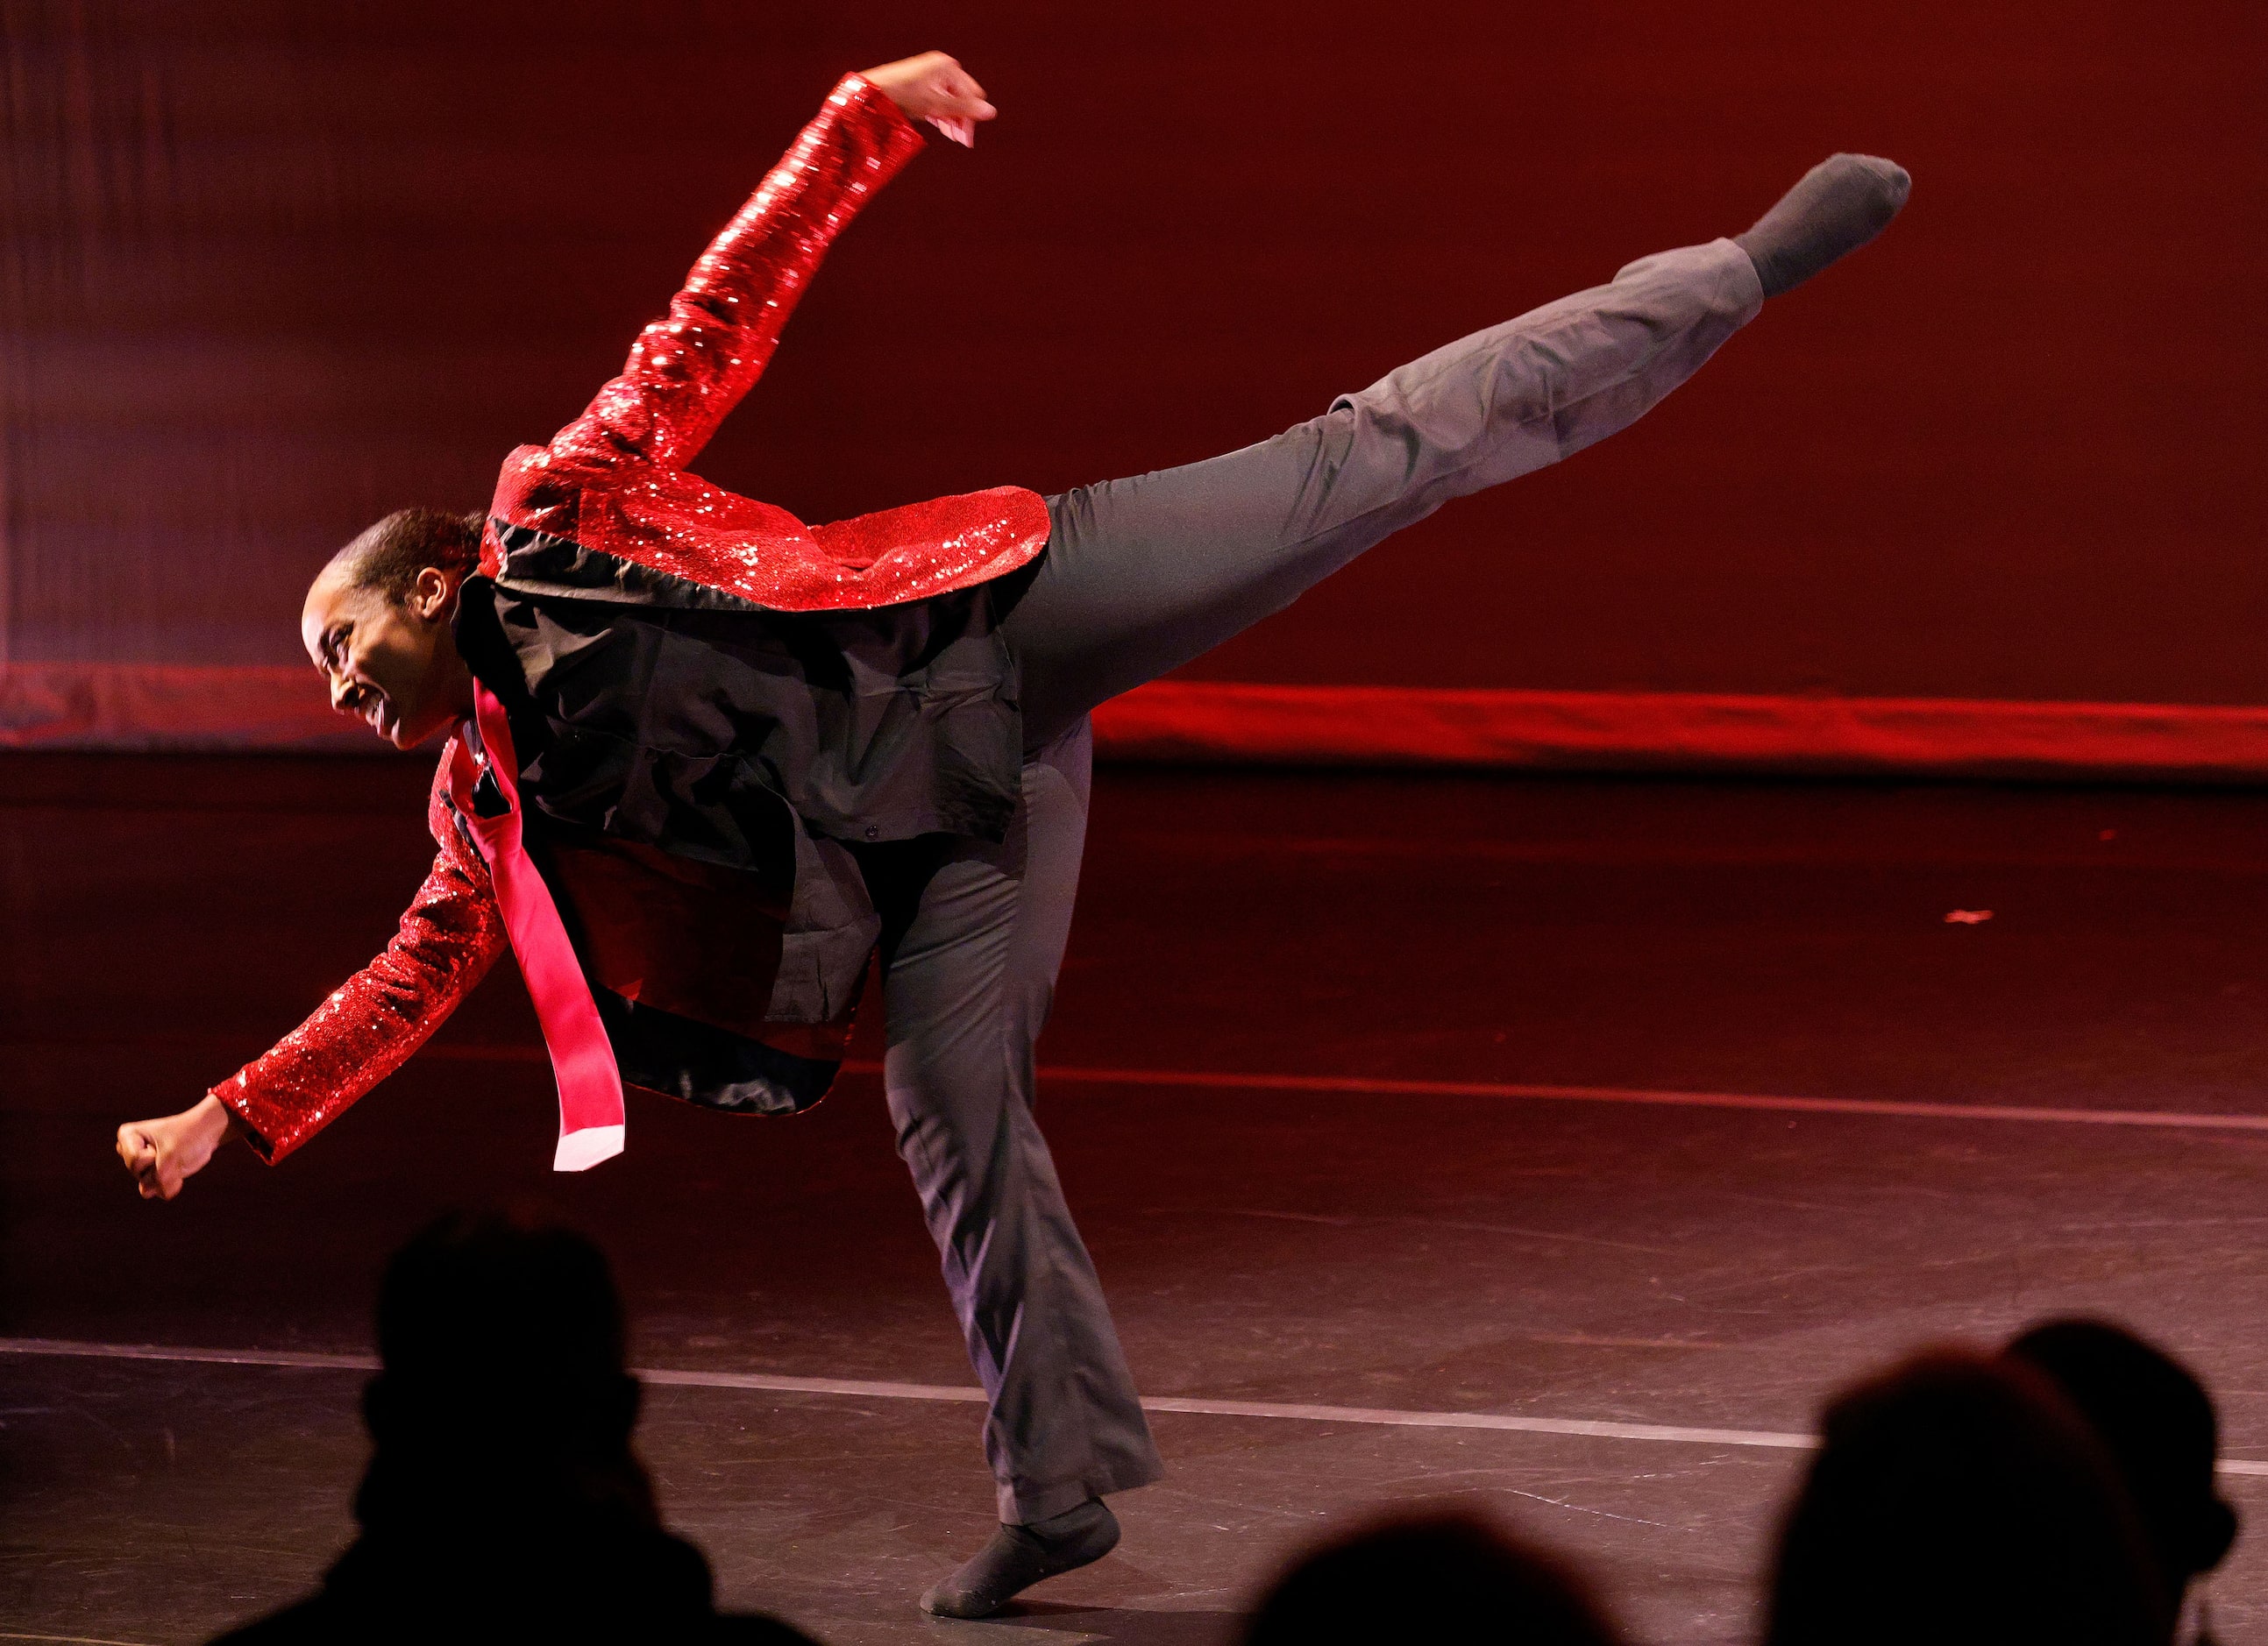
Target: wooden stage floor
1297	1054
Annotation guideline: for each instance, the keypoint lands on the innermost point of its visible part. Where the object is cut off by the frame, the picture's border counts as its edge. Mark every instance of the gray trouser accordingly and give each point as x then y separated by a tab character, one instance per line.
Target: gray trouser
966	991
1139	577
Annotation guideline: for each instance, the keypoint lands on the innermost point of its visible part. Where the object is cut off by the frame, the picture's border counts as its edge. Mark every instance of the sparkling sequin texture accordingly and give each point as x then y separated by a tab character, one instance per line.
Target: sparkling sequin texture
369	1026
614	480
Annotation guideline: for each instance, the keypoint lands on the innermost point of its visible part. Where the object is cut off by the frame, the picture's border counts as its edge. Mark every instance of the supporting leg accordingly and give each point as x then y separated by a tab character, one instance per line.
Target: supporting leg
1143	574
968	976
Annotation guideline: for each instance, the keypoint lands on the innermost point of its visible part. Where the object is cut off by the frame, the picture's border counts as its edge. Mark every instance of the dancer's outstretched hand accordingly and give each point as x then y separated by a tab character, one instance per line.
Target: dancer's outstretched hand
161	1153
935	88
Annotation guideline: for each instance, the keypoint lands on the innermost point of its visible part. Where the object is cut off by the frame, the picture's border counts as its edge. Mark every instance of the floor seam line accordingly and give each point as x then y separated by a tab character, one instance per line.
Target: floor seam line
1358	1085
1594	1429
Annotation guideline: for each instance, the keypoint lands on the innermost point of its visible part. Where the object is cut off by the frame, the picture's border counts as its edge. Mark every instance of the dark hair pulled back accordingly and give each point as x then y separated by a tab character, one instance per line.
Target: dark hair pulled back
389	555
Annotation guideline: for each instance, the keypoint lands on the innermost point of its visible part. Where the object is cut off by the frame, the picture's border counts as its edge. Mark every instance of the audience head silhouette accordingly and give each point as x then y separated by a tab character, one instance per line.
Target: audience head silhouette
1959	1499
2060	1493
503	1386
1445	1577
2158	1424
504	1500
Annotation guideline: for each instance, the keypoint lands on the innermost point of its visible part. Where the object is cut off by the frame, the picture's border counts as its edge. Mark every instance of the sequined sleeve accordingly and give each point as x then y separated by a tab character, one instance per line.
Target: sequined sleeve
371	1023
690	368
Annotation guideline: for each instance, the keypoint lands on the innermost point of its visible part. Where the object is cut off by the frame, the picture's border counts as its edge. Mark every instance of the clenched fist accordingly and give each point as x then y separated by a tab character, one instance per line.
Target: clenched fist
935	88
161	1153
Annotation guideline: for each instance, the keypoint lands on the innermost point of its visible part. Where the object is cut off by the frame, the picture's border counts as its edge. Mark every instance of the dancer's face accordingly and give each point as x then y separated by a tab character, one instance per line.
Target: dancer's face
391	663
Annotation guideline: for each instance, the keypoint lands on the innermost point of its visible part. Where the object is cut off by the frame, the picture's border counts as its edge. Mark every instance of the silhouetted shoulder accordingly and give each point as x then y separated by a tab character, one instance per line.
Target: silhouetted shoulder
318	1620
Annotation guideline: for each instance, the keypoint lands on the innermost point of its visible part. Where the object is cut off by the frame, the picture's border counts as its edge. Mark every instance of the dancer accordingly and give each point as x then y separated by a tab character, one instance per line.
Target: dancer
703	762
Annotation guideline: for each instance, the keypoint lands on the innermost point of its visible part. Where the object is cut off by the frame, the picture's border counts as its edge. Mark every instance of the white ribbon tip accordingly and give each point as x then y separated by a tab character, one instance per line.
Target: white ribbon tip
579	1151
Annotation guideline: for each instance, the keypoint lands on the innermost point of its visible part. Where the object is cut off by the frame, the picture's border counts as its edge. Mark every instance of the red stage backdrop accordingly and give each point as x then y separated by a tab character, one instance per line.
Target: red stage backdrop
274	269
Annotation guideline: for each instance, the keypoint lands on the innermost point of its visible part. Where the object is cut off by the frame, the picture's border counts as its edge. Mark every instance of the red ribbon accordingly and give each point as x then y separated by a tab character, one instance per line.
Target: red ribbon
582	1057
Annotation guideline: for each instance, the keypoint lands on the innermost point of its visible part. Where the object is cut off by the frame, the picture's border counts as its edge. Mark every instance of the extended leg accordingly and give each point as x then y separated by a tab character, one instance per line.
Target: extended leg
1142	575
968	984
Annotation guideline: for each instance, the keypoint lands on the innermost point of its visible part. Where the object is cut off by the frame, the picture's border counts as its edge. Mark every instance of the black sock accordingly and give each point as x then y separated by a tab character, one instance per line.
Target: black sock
1835	207
1018	1556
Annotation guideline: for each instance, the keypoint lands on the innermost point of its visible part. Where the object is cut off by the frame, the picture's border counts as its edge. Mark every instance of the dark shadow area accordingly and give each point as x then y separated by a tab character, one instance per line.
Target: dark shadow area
1124	1626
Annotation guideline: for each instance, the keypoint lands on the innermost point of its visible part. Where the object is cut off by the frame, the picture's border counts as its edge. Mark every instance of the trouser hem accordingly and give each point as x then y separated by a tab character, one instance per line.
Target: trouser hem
1021	1507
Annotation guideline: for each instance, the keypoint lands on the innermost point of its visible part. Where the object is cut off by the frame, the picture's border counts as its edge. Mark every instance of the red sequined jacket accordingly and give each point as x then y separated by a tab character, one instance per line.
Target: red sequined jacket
616	480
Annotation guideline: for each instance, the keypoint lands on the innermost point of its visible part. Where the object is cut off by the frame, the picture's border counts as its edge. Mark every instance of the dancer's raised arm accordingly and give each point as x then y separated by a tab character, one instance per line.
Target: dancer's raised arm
691	367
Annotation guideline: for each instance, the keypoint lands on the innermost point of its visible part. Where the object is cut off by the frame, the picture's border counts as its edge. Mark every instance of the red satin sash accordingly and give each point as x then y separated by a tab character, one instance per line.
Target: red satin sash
582	1058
